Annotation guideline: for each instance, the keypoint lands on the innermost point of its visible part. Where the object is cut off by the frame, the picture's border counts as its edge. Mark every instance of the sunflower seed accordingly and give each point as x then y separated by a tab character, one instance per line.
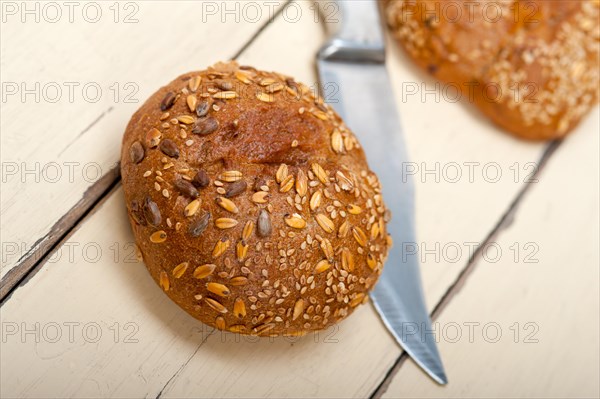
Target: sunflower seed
238	328
218	289
374	231
186	119
158	237
248	228
315	200
220	247
236	188
358	299
192	102
327	248
359	236
322	266
231	176
225	95
242	77
347	260
344	229
204	270
298	309
241	250
192	208
186	188
224	84
199	226
136	152
239	308
349	143
263	224
282	173
227	204
201	179
164	281
274	88
320	173
295	221
325	223
169	148
180	269
371	262
205	126
266	98
267	81
354	209
239	280
202	108
216	305
301	183
260	197
153	137
287	184
225	223
220	323
151	212
194	83
344	182
319	114
263	328
337	142
168	101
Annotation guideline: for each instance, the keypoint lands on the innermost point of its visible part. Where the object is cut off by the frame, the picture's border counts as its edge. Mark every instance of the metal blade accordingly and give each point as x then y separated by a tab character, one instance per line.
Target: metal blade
361	94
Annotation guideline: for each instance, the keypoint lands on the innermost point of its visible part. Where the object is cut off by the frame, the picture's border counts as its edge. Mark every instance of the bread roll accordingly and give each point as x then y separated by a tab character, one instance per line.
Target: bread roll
252	203
531	66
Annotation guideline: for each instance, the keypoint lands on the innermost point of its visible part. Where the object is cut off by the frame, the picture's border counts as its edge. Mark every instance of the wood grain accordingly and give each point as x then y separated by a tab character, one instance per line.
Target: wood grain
557	353
66	156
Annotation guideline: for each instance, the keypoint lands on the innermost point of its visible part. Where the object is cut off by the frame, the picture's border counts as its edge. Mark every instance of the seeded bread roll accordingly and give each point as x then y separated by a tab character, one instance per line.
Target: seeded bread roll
252	203
531	66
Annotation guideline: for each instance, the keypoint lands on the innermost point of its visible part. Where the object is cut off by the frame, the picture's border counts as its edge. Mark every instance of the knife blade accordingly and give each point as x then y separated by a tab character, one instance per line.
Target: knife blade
354	81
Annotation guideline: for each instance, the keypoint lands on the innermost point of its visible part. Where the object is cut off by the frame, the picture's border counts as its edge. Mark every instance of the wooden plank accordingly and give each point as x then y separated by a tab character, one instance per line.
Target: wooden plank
61	137
557	354
126	344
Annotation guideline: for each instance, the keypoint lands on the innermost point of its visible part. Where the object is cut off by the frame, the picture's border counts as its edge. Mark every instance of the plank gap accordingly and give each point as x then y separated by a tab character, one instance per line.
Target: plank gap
260	30
63	228
159	395
505	220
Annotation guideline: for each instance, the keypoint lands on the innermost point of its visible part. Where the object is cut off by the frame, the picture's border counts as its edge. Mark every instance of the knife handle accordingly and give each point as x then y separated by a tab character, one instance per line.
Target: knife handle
357	35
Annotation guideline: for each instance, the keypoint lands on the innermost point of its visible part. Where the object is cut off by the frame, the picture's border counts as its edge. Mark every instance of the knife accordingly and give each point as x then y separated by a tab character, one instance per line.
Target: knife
354	81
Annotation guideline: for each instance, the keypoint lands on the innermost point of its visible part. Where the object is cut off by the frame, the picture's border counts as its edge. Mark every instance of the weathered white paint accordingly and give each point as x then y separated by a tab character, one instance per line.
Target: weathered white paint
175	355
558	354
73	141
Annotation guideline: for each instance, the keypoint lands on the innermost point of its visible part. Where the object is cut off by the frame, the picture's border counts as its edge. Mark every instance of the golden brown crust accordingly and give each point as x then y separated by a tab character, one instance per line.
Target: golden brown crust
261	216
531	66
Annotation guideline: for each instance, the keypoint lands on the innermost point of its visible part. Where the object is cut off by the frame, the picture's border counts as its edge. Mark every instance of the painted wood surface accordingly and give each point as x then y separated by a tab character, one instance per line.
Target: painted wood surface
160	351
551	292
65	109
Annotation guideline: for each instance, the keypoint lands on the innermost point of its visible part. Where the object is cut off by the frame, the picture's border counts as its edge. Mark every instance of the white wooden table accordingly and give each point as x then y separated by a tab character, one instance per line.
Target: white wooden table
509	264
